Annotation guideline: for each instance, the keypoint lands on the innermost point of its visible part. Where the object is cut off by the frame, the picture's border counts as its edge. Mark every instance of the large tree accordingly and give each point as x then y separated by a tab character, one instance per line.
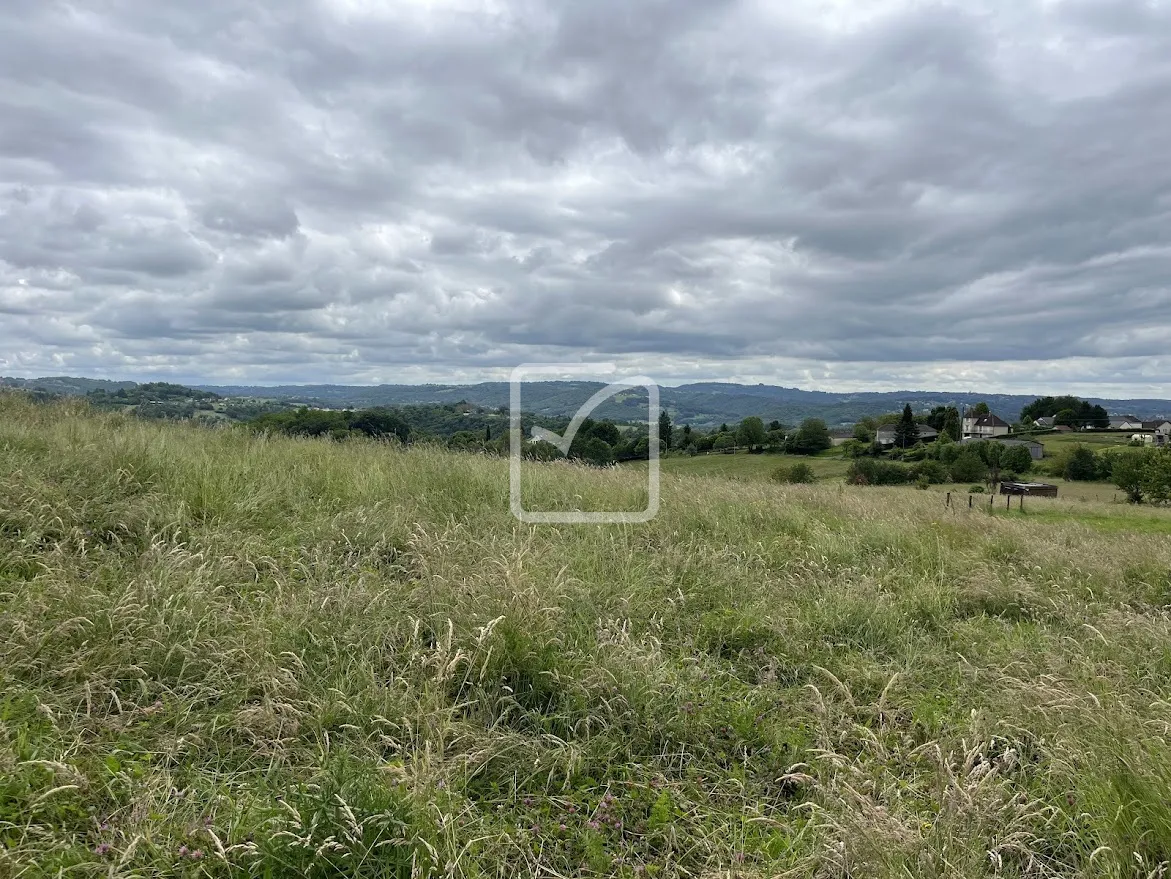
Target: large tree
811	437
751	432
1067	410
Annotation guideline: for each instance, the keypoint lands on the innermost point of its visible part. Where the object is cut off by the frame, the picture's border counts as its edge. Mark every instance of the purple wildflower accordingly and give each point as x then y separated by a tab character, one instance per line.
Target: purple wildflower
103	848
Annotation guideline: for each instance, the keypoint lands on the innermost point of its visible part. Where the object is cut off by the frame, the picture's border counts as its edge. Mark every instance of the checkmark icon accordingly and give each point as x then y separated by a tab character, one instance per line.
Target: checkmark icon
564	441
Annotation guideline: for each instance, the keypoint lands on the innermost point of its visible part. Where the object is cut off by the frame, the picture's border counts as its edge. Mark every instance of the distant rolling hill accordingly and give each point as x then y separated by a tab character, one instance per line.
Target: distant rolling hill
702	404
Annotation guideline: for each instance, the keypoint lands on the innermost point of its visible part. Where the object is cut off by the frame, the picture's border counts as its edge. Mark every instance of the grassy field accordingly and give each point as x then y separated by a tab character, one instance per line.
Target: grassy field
1082	492
831	467
227	656
1055	443
751	467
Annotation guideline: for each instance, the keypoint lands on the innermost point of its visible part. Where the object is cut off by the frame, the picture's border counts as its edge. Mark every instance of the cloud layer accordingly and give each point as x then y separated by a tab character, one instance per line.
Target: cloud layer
922	194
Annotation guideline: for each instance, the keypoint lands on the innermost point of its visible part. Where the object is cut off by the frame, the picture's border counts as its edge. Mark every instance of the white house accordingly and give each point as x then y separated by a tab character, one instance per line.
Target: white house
1125	422
1160	428
985	426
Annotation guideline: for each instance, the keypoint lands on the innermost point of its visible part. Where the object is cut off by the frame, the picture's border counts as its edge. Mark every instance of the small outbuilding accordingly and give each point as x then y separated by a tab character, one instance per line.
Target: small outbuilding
1032	489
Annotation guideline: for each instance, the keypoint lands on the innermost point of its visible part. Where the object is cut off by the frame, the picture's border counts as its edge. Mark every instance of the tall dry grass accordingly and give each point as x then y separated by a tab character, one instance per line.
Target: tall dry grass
230	656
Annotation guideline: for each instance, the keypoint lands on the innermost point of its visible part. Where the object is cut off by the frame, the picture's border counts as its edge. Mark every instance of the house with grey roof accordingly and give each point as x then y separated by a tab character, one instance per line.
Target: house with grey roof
985	426
885	435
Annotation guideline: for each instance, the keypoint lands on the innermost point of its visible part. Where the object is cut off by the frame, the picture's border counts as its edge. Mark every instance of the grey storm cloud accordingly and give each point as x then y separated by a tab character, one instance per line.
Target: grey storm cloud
815	192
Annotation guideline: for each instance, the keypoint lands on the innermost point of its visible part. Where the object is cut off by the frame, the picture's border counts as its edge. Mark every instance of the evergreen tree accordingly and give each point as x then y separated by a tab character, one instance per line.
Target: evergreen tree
664	430
906	431
951	423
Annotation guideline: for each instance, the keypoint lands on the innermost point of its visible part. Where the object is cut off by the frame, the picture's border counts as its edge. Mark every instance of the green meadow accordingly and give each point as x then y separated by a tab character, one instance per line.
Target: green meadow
228	655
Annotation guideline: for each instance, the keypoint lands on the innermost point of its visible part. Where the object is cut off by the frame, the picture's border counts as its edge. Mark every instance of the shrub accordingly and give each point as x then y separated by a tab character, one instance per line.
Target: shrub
798	473
922	483
1081	465
976	489
1017	458
917	452
1142	473
934	472
947	453
867	471
968	467
1128	470
855	449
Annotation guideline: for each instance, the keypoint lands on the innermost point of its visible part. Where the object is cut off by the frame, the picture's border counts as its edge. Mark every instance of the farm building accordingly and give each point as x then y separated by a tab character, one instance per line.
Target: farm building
841	435
1032	489
885	435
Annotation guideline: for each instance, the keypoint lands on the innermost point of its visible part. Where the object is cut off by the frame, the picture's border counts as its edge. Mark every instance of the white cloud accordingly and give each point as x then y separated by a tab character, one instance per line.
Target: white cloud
906	194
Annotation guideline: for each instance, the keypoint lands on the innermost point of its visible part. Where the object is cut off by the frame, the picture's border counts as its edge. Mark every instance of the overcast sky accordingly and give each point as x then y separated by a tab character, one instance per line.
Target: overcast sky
969	196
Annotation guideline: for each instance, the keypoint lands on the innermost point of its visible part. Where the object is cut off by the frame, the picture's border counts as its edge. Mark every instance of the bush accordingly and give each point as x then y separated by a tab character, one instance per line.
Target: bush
968	467
934	472
867	471
797	474
976	489
1142	473
1081	465
855	449
922	483
917	452
947	453
1017	458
